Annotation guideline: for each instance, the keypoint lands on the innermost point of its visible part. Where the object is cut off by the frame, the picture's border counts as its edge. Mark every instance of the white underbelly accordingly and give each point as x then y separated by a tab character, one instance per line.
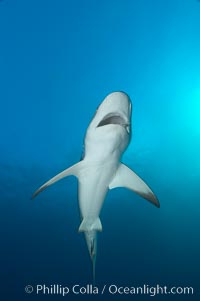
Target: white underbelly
93	187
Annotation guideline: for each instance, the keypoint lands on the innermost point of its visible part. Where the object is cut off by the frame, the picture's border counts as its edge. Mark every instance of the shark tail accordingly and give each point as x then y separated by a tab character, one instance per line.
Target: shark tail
94	269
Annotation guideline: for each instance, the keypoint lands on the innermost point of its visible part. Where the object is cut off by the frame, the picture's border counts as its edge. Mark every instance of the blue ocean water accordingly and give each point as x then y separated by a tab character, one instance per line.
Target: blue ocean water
58	60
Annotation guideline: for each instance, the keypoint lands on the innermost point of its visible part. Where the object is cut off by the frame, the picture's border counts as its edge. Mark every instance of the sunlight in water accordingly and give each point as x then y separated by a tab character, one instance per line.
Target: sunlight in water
194	112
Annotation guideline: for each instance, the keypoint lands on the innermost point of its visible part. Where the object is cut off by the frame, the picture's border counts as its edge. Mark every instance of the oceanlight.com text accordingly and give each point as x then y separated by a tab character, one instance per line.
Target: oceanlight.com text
111	289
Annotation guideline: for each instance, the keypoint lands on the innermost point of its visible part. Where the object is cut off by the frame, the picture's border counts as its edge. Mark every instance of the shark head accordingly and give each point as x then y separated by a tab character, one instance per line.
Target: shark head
110	128
115	109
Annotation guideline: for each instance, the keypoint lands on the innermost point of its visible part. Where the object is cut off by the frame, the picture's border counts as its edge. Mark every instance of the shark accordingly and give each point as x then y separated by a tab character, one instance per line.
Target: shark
101	169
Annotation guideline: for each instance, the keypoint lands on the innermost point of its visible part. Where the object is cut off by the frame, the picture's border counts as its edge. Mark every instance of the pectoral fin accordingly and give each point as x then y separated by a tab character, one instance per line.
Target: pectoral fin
125	177
71	171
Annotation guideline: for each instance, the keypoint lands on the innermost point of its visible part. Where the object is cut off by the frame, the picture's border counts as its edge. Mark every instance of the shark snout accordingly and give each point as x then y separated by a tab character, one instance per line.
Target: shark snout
115	109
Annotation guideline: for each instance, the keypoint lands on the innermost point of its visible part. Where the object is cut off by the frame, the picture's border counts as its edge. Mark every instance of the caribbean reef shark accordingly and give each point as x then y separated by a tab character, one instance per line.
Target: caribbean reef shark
100	169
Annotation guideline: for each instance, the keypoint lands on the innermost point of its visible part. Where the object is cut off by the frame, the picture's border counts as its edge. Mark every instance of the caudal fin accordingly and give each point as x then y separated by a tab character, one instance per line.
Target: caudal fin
94	269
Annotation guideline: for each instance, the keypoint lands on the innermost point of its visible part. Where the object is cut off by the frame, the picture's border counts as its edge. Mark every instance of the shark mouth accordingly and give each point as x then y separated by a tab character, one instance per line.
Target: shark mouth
113	118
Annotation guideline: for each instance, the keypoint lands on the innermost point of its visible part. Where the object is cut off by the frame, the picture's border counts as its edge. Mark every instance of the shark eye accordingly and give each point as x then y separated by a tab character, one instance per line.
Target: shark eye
128	129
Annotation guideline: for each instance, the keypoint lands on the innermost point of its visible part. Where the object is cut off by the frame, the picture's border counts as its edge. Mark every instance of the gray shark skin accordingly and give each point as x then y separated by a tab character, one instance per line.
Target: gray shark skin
100	169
